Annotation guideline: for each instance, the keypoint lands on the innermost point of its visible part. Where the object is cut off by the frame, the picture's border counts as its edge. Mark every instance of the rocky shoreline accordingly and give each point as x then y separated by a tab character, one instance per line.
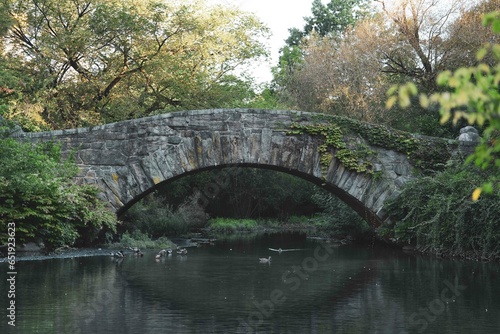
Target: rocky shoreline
33	252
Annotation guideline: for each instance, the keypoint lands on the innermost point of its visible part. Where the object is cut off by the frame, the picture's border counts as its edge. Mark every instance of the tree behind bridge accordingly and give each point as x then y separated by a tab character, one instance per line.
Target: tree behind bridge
405	40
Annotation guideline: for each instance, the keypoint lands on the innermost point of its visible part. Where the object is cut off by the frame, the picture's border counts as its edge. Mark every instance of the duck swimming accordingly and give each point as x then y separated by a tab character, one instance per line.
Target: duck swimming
161	253
182	251
265	260
136	251
118	254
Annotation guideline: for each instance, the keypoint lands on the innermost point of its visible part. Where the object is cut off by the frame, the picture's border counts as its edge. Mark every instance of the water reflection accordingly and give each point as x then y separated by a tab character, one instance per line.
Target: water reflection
224	289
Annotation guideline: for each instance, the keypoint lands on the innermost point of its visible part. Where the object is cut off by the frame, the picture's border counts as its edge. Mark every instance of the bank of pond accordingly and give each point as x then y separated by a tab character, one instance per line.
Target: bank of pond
230	228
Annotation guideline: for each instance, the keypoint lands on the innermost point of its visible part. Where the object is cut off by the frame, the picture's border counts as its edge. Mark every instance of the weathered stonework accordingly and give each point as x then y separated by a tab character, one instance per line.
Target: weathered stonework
129	159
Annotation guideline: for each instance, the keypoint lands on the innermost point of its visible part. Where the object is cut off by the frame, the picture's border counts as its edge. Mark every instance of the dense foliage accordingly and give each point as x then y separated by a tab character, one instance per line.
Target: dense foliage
77	63
38	195
437	214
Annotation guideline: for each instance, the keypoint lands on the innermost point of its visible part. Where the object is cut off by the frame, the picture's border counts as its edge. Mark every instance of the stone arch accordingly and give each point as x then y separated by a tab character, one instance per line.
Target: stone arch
128	159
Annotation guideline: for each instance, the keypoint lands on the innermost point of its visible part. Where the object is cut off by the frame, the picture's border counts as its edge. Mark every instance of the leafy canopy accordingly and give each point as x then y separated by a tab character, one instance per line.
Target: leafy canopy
81	63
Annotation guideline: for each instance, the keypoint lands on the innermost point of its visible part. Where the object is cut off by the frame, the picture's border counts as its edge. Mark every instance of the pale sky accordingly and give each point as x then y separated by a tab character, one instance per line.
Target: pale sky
279	16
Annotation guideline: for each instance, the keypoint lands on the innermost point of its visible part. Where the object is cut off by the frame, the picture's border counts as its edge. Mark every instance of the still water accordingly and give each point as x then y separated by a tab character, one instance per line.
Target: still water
222	288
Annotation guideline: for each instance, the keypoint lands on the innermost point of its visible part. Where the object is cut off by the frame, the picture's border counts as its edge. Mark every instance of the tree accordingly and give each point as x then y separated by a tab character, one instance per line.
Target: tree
331	19
334	17
470	93
467	34
97	61
343	75
38	196
422	27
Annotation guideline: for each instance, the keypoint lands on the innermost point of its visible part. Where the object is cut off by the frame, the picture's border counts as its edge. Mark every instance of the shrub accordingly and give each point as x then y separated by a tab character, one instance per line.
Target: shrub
438	213
153	217
38	195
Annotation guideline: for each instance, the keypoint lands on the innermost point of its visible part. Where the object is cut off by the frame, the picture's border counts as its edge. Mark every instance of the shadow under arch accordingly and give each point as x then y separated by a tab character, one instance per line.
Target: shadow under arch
228	171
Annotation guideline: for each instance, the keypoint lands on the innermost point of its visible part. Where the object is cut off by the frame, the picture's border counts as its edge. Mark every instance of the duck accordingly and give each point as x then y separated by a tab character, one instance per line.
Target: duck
118	254
137	251
160	253
182	251
265	260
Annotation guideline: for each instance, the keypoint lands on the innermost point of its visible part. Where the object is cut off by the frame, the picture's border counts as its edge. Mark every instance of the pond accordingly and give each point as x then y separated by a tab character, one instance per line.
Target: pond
309	287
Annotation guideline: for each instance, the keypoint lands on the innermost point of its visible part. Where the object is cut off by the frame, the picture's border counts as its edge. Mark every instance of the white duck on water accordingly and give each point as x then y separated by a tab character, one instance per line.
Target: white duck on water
265	260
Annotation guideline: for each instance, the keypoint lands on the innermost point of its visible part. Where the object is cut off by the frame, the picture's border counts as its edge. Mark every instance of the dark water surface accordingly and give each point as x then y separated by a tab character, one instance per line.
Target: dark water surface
224	289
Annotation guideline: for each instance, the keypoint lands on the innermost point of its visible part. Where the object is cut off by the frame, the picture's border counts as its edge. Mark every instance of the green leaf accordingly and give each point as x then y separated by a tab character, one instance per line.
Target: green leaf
443	78
390	102
487	187
391	91
481	53
496	26
424	101
495	49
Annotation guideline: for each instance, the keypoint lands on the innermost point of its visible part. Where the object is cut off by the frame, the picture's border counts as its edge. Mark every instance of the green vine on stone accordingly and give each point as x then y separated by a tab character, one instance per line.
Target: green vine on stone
355	160
427	154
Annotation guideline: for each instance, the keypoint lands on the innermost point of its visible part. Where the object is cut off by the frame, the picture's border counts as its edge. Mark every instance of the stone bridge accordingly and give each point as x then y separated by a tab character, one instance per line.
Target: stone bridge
362	164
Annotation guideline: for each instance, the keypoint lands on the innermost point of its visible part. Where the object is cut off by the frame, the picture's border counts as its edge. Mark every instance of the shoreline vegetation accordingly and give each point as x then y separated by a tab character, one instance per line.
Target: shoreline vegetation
229	228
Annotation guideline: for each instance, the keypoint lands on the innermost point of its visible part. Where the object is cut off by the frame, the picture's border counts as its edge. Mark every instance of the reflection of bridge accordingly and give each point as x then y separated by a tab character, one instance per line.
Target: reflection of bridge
129	159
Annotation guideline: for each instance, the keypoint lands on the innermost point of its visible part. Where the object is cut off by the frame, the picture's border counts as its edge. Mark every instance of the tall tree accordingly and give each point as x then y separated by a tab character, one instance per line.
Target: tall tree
343	75
331	20
96	61
422	26
334	17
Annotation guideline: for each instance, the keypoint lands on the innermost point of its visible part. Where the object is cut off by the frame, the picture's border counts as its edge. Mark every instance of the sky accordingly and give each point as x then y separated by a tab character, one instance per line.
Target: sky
279	16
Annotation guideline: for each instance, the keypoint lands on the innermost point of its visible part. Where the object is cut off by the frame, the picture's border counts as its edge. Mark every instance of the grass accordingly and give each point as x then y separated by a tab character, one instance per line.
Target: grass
231	225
